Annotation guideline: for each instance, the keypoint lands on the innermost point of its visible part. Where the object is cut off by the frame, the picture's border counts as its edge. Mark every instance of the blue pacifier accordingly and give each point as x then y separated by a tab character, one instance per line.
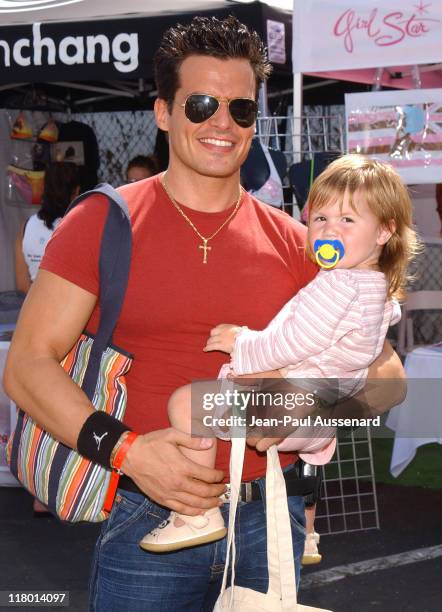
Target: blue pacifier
328	252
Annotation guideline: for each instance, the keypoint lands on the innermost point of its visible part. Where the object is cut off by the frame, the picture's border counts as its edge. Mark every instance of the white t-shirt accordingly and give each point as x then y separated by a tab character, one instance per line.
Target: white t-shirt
35	238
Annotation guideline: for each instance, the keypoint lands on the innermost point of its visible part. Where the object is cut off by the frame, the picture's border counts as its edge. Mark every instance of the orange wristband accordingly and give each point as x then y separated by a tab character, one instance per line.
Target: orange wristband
123	450
116	462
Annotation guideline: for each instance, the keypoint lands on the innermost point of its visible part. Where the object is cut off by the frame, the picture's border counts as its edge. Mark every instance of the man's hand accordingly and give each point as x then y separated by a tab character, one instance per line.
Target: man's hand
158	467
222	338
386	386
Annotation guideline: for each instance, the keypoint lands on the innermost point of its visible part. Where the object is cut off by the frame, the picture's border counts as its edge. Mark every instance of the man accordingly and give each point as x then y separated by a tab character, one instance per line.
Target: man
204	252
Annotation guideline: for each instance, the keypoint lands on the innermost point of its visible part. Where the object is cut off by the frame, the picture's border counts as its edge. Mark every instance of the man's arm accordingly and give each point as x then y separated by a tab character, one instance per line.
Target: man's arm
386	386
51	320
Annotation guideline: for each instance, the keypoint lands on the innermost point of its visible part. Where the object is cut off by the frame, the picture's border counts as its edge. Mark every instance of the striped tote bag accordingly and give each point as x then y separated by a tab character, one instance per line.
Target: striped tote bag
74	488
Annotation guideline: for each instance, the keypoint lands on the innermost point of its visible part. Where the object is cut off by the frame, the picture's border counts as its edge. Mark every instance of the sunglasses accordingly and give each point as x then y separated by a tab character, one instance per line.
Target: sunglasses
200	107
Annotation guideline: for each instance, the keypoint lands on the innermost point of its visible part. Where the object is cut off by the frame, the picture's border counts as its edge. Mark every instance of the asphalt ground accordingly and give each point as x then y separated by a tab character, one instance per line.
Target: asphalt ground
374	570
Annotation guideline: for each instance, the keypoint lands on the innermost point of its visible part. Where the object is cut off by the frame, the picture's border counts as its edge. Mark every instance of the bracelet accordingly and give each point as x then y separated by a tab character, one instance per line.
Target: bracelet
121	449
98	437
116	447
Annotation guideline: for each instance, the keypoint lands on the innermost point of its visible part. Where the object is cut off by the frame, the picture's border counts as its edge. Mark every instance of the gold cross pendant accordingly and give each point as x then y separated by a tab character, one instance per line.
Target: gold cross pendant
205	249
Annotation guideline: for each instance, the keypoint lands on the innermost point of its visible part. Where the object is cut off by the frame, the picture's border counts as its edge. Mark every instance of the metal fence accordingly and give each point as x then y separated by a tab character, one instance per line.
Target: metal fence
348	493
120	136
300	137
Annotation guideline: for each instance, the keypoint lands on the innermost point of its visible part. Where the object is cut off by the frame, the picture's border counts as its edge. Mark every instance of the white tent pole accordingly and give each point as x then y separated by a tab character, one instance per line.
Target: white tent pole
262	100
416	75
297	110
297	116
377	83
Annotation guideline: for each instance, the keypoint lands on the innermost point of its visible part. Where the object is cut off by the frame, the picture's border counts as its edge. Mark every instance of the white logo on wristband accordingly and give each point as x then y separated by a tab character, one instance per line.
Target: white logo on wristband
99	438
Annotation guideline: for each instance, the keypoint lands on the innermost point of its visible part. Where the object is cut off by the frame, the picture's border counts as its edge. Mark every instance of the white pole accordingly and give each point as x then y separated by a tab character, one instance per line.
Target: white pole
297	116
297	106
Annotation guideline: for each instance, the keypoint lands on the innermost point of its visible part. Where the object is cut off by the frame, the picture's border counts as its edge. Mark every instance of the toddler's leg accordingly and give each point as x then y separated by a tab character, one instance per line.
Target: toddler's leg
311	554
179	410
182	531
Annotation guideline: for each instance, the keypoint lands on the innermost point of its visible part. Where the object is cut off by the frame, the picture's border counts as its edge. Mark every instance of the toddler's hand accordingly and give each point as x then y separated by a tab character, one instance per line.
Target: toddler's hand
222	338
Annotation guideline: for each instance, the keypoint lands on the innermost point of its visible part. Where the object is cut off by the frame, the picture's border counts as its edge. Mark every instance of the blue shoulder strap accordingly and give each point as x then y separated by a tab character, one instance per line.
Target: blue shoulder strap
114	266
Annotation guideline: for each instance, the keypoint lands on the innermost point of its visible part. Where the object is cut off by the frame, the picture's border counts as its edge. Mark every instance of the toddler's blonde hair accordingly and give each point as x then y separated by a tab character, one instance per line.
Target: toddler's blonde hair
388	199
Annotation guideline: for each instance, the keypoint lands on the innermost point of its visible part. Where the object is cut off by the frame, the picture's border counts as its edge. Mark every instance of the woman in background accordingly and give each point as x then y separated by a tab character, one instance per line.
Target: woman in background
61	186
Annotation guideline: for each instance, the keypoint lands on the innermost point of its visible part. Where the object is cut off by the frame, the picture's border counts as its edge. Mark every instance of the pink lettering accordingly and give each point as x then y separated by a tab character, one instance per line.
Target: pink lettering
416	28
343	27
347	23
393	28
370	24
388	39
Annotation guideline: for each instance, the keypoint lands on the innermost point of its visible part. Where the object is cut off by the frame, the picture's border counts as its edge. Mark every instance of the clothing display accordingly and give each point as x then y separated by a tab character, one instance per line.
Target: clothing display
35	238
173	299
49	132
271	192
303	173
21	128
262	173
29	184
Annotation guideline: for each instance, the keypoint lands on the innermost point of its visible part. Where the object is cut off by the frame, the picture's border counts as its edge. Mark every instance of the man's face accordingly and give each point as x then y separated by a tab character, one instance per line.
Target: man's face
216	147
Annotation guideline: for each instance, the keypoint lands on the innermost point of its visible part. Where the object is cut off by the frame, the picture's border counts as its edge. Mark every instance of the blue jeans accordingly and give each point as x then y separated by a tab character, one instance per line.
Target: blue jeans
127	578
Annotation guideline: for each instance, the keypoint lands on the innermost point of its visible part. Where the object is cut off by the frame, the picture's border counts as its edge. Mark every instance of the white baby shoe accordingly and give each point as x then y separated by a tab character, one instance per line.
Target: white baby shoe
311	554
181	531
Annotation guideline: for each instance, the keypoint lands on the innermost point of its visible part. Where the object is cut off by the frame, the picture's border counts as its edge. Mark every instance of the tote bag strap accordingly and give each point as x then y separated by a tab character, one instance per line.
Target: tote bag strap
282	580
236	467
281	565
114	266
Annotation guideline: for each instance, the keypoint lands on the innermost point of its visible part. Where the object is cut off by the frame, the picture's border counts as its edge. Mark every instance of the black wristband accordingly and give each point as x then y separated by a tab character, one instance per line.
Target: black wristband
98	436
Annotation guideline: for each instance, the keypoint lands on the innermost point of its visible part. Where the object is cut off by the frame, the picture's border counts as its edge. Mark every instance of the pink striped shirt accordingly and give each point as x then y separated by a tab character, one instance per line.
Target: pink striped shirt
334	328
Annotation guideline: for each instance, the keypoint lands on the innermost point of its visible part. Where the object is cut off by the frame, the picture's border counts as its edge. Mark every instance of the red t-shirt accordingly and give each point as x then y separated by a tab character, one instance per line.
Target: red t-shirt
256	264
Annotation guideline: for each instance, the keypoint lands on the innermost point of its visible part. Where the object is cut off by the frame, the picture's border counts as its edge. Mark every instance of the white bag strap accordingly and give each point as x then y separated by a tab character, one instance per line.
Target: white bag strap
236	466
282	579
279	537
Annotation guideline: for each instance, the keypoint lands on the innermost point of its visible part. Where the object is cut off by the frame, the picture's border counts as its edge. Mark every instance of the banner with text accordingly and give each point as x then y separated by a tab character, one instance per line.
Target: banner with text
403	128
350	34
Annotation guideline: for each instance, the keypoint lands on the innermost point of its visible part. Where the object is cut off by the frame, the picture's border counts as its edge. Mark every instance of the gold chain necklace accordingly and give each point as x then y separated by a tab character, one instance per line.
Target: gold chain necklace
205	240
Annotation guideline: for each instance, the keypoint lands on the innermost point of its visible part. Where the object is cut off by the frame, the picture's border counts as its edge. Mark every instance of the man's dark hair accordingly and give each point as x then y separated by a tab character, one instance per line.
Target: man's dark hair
222	39
60	182
143	161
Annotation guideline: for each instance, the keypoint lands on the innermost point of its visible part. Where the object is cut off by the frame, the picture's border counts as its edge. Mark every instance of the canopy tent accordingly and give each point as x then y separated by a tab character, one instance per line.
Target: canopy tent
83	56
107	46
383	43
370	42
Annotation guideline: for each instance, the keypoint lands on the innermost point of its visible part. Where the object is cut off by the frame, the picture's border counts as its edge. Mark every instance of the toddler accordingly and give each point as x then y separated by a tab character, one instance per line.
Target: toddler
360	233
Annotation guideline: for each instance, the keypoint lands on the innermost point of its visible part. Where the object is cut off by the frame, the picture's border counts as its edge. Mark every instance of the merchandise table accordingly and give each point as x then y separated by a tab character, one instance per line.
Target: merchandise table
418	420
